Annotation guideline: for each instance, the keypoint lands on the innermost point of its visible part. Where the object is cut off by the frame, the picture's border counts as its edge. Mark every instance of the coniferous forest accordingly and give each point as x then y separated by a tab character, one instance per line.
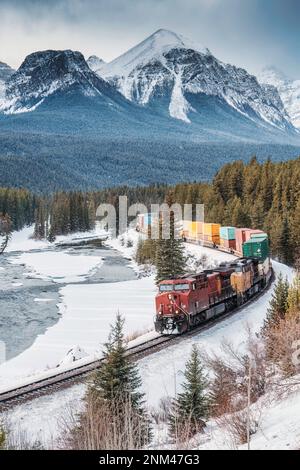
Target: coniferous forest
259	195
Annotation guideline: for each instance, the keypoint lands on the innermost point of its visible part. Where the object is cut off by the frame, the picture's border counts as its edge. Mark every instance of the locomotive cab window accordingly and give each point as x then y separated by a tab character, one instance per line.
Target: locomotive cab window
182	286
166	287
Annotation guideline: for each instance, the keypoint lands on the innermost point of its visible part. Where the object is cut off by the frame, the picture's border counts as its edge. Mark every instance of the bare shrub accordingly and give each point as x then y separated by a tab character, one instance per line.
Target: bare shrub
18	439
236	425
279	343
229	385
104	425
222	387
162	414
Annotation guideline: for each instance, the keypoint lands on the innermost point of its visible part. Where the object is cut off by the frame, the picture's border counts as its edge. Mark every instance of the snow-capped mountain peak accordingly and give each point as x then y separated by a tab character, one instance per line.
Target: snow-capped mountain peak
95	63
153	47
45	73
271	75
167	68
289	91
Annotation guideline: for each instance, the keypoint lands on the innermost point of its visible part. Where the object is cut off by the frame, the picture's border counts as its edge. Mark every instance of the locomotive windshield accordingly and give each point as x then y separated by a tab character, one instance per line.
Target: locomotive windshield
171	287
182	286
166	287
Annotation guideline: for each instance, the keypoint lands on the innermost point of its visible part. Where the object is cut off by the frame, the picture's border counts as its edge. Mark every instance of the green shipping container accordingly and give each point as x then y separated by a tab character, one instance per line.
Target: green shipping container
259	235
257	247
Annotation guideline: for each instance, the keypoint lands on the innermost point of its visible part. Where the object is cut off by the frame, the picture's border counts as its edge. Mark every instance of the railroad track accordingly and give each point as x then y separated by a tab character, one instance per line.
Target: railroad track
81	373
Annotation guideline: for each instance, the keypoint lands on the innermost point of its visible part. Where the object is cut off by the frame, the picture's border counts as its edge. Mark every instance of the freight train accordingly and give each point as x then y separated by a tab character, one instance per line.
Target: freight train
186	302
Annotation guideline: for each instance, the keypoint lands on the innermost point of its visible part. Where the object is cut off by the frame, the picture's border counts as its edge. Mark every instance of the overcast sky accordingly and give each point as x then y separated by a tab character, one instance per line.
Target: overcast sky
248	33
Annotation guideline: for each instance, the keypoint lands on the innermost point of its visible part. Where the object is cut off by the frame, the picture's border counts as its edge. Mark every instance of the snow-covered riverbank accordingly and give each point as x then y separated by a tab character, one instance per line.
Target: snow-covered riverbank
89	301
162	372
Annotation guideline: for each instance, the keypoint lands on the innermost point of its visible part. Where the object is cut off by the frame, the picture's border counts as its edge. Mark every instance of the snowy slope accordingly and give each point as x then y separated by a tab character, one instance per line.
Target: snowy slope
162	374
59	267
45	74
167	65
5	72
289	91
154	47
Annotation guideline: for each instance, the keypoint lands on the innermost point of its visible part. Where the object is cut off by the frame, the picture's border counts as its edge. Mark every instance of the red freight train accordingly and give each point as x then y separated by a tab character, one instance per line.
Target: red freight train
184	303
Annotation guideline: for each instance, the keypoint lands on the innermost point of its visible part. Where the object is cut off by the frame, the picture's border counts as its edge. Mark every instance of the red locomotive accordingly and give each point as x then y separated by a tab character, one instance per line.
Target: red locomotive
190	300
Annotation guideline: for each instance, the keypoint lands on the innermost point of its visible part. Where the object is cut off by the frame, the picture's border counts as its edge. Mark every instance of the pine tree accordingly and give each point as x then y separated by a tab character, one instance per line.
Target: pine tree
191	407
118	382
293	298
170	260
278	304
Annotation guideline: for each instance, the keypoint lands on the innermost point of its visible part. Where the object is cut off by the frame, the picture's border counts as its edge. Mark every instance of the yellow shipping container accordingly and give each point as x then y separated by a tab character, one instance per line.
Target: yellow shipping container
199	228
194	229
211	229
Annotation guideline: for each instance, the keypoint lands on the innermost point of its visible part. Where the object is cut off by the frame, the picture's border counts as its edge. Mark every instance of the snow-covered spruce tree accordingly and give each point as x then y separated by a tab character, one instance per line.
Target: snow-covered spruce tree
278	304
170	259
190	408
276	316
293	298
118	384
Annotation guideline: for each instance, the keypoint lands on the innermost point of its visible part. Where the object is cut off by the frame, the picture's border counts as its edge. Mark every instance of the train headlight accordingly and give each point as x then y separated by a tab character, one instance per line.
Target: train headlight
170	296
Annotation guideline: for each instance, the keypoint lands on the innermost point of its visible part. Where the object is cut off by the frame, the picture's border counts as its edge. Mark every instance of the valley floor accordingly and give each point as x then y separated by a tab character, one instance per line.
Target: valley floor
87	310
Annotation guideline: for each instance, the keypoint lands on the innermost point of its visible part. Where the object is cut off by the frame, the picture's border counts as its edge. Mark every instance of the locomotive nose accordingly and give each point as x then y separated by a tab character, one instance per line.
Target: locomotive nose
173	303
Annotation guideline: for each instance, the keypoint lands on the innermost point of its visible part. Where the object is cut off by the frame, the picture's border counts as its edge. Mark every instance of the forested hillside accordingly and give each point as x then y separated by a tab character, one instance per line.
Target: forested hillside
19	204
259	195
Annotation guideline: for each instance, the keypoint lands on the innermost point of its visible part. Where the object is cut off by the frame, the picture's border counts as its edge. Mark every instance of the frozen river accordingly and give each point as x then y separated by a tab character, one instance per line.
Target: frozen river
28	302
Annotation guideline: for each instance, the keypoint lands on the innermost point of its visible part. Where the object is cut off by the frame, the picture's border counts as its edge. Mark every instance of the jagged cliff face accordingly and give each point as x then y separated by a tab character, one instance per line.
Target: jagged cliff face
167	64
289	91
164	77
5	71
167	111
46	73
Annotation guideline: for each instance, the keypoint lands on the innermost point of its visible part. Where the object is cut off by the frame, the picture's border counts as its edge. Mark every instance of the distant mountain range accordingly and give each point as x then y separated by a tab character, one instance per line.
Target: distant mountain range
289	91
159	112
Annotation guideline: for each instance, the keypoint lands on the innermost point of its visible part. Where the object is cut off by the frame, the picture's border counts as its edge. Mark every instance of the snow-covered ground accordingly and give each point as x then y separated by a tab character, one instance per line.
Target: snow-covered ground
24	241
87	311
58	266
86	308
278	425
